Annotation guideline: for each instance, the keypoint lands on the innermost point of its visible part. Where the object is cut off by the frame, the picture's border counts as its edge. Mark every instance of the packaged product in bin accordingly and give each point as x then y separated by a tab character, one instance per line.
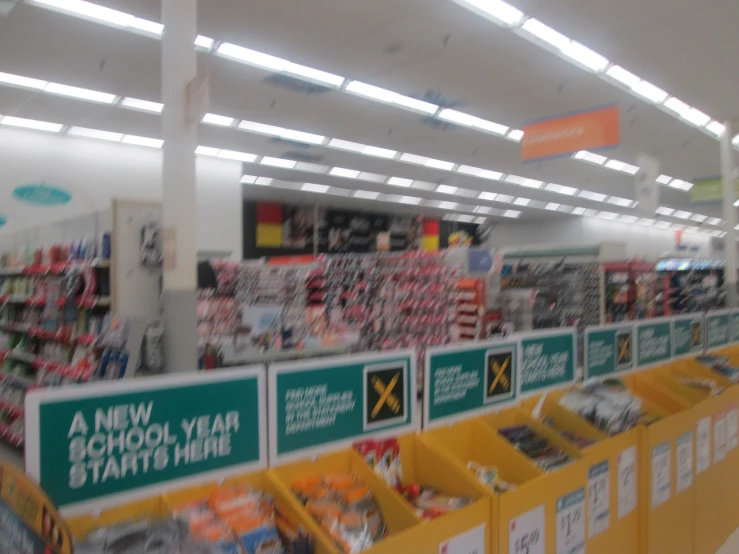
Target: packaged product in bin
576	439
490	477
345	508
608	405
720	364
541	452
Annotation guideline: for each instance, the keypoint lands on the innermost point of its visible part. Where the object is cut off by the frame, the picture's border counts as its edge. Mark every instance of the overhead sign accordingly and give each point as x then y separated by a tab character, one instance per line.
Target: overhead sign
3	221
653	341
717	328
647	187
320	404
29	522
461	381
547	360
688	335
609	350
564	135
103	444
709	191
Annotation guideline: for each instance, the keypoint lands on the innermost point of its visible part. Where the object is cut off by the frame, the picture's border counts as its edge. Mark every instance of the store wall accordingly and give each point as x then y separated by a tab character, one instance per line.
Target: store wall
94	172
640	241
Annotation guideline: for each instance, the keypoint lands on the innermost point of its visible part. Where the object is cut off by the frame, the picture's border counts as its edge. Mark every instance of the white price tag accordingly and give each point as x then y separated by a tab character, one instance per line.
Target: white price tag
627	482
661	474
599	499
471	542
526	533
719	438
571	523
732	427
703	445
684	462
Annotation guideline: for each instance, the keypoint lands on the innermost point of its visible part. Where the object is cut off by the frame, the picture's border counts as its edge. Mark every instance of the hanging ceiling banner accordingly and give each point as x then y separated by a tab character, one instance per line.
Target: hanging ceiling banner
647	187
709	191
564	135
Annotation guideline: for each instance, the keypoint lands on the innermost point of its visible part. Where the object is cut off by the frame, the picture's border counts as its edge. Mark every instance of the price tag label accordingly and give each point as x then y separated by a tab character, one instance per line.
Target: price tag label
719	438
599	499
626	482
526	533
471	542
571	523
703	445
684	462
661	474
732	428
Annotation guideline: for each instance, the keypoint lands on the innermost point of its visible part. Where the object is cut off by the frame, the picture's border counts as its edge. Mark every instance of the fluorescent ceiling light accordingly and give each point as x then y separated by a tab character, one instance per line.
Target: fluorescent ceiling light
379	152
585	56
608	215
311	187
317	75
717	129
630	169
552	206
480	220
700	218
676	105
313	168
615	165
627	218
143	105
646	222
560	189
618	73
439	164
681	214
206	151
504	198
31	124
94	134
366	194
735	141
490	196
361	148
147	26
481	173
677	226
523	181
483	210
545	33
696	117
428	162
446	189
238	156
648	91
248	179
17	80
589	157
522	201
300	136
664	179
81	93
491	126
512	213
373	177
400	182
515	135
457	117
91	11
343	172
662	210
715	221
423	185
736	204
390	97
590	213
261	128
143	141
252	57
410	200
278	162
595	196
264	181
204	42
578	211
220	120
623	202
447	205
691	229
680	184
497	9
465	218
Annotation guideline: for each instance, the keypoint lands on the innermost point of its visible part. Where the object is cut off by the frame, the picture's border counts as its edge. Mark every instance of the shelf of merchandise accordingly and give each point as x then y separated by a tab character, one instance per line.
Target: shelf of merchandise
37	362
53	269
470	306
13	439
31	301
38	332
13	410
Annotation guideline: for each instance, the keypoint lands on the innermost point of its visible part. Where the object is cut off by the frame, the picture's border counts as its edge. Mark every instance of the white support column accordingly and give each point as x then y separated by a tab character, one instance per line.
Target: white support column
179	225
729	178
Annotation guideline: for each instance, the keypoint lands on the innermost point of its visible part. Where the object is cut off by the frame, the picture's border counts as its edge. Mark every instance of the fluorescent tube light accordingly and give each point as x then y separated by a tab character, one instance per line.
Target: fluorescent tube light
681	214
238	156
623	202
608	215
379	152
515	135
522	201
696	117
204	42
676	105
91	11
423	185
389	97
578	211
646	222
618	73
595	196
94	134
252	57
311	187
504	198
716	129
700	218
278	162
439	164
585	56
264	181
220	120
343	172
459	118
590	213
590	157
662	210
677	226
735	141
300	136
372	177
410	200
512	213
627	218
545	33
312	168
480	220
615	165
446	189
415	104
664	179
483	210
552	206
715	221
151	27
648	91
680	184
143	141
317	75
400	182
81	93
19	81
366	194
630	169
143	105
253	126
31	124
560	189
491	126
497	9
523	181
490	196
447	205
206	151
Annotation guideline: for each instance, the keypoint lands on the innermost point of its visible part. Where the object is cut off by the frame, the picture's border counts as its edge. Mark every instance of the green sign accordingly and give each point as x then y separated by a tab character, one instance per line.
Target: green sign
653	342
334	401
609	350
709	191
547	360
688	335
735	326
462	380
95	445
717	329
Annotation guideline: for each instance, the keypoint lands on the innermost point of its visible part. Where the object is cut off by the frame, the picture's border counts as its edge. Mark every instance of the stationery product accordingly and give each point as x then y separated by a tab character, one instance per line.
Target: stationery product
608	405
538	448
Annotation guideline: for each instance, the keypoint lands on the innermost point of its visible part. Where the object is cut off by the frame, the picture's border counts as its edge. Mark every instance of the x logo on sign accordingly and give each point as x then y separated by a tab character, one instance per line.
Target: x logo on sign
500	375
697	334
386	395
624	352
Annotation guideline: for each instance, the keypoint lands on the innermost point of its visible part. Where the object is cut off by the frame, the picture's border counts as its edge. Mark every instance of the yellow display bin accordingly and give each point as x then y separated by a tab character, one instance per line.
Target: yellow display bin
406	532
534	500
622	454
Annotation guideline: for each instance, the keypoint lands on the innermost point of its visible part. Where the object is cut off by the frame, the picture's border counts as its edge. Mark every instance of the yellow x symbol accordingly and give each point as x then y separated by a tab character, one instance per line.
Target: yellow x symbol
386	395
696	334
624	351
500	375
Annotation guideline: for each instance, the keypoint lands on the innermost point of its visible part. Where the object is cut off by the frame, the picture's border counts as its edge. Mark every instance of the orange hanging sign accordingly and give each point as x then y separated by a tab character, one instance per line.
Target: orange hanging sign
564	135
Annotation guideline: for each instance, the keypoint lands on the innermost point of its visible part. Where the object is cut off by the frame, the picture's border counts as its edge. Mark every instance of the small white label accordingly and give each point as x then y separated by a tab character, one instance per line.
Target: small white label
571	523
703	446
661	474
526	533
599	499
719	438
732	428
471	542
684	460
626	482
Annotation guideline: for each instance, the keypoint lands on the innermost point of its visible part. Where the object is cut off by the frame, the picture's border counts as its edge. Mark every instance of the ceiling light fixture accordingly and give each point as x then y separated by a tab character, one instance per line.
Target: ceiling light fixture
94	134
676	105
618	73
251	57
523	181
30	124
278	162
366	194
512	213
300	136
552	206
627	218
681	214
499	11
446	189
142	141
19	81
204	42
623	202
515	135
595	196
237	156
447	205
206	151
143	105
589	157
89	11
715	221
696	117
716	128
81	93
662	210
410	200
400	182
489	196
312	187
311	74
544	33
586	57
343	172
522	201
699	218
664	179
389	97
578	211
649	92
560	189
220	120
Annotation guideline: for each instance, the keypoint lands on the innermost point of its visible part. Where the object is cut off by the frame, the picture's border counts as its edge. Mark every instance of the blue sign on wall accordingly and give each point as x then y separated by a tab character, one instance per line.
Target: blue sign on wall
42	195
3	221
479	260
